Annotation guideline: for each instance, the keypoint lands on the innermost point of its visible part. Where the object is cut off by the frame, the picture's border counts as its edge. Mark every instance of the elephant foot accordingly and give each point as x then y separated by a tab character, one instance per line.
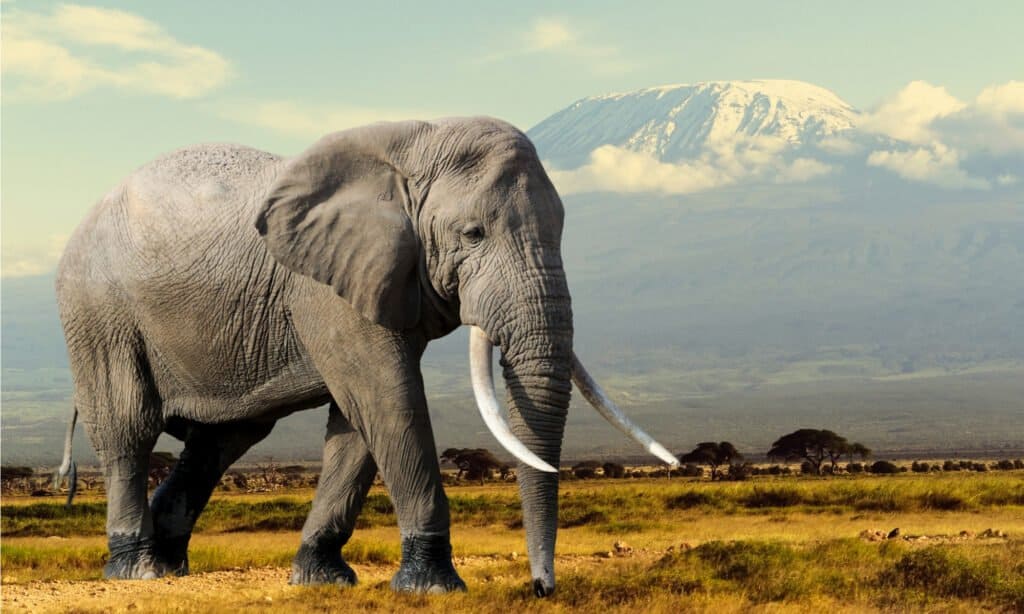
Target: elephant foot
427	566
321	563
174	552
135	558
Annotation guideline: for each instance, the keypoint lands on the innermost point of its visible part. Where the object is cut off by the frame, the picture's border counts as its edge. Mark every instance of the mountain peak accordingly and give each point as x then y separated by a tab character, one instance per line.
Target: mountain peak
679	122
783	89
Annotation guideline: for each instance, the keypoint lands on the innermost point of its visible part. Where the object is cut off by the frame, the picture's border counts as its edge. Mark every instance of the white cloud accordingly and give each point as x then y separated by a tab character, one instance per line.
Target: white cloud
554	36
908	115
936	164
802	170
550	33
1002	99
615	169
35	259
934	133
299	120
64	53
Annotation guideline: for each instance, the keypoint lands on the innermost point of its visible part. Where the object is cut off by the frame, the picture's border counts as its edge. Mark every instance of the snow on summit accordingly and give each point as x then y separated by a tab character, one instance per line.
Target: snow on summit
673	123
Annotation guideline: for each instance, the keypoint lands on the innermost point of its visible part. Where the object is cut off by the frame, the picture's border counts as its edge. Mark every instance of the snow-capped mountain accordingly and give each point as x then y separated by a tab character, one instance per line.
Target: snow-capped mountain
680	122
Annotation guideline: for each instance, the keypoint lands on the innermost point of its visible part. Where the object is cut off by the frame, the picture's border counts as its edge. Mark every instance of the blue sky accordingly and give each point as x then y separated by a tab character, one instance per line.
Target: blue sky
91	91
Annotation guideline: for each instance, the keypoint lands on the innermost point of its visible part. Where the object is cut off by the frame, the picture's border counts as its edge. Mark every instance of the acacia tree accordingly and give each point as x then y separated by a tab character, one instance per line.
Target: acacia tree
857	449
814	446
712	454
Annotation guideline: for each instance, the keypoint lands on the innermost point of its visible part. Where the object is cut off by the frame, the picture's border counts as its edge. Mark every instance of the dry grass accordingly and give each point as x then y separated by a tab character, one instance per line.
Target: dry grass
695	546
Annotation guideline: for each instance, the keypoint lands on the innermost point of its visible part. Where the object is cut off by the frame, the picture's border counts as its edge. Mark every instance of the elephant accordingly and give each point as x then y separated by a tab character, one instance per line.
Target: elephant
220	288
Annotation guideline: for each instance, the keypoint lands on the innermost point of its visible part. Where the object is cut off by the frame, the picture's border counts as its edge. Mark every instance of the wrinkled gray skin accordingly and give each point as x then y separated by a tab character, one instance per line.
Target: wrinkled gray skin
220	288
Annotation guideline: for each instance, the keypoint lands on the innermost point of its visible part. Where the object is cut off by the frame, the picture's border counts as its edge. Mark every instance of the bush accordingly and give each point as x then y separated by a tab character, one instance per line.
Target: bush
937	571
884	467
688	499
951	466
854	468
9	472
689	470
772	497
614	470
586	470
917	467
1004	465
738	472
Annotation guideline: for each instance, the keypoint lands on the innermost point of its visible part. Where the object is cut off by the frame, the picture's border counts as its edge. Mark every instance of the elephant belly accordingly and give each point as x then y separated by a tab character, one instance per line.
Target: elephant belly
220	356
207	390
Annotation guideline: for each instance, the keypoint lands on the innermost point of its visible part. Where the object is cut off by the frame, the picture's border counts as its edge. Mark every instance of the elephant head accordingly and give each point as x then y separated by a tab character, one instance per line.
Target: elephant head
432	225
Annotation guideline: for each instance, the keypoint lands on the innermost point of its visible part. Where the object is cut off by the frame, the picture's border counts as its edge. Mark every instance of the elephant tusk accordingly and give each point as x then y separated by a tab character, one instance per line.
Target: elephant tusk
481	373
604	406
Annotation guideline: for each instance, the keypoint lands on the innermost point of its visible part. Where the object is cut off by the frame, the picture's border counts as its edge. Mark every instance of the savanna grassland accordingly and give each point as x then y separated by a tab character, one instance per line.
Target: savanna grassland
767	544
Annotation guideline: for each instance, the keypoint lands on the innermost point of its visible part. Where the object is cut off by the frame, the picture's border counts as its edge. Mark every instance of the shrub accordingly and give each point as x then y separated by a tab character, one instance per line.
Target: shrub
917	467
614	470
1004	465
942	501
586	470
772	497
951	466
938	571
9	472
690	470
854	468
688	499
884	467
739	472
767	571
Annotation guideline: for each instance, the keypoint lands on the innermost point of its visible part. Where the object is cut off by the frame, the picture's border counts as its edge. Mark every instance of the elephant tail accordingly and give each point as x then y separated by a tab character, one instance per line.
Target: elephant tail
68	468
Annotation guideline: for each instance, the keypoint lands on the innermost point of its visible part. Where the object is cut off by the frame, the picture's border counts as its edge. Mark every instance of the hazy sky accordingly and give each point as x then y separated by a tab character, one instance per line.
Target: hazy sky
92	91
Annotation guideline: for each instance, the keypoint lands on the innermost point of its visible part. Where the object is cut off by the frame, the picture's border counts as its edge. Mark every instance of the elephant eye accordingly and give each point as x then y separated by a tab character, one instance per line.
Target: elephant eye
473	233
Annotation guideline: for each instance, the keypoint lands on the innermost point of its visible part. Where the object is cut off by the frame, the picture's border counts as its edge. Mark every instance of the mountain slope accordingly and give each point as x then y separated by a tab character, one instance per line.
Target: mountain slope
679	122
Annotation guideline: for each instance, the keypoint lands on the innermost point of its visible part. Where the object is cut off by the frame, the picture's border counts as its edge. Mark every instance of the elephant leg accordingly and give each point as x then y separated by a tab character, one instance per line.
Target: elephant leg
346	477
374	374
178	501
401	440
121	412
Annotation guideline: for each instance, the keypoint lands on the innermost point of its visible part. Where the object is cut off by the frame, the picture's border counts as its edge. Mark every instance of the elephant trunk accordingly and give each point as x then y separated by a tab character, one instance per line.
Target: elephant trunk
538	393
537	363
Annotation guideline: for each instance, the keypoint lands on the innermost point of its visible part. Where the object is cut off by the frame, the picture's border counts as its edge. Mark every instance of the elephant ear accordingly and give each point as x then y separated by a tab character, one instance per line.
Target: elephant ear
337	213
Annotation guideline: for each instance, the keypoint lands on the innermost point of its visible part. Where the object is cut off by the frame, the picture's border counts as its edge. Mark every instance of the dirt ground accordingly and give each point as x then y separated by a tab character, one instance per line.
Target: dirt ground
251	589
255	589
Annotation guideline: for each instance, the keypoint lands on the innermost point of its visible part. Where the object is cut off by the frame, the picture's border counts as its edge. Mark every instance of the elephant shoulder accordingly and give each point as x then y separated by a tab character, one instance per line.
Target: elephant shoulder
196	164
199	183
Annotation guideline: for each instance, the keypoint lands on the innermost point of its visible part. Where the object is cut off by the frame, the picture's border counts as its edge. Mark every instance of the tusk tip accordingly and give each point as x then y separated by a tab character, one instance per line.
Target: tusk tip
542	466
661	452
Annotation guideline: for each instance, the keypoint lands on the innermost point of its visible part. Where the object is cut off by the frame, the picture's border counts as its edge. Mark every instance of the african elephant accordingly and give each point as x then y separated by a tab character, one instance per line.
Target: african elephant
220	288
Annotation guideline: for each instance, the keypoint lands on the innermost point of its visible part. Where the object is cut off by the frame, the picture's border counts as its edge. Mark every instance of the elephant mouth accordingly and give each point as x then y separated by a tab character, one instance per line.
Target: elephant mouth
481	373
